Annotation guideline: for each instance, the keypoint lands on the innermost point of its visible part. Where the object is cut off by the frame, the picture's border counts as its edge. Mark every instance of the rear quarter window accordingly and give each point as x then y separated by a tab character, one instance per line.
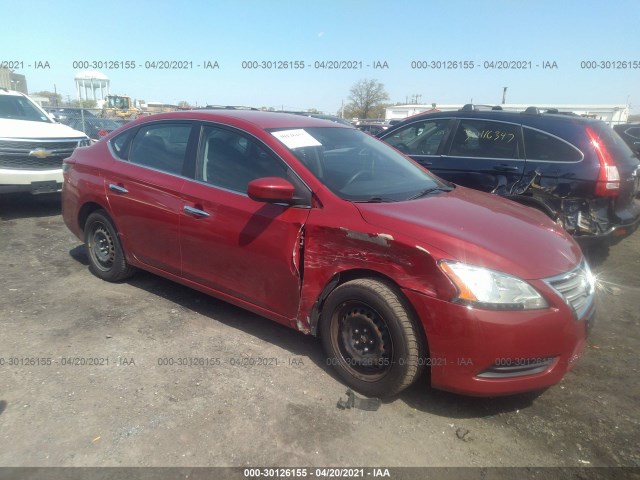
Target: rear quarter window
120	144
543	146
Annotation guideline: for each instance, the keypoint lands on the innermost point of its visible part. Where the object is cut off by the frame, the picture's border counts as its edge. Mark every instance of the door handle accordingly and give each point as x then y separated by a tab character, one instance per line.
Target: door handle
117	188
194	212
506	168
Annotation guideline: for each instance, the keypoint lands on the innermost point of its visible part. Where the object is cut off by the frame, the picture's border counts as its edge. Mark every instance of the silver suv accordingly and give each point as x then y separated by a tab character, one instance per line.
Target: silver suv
32	145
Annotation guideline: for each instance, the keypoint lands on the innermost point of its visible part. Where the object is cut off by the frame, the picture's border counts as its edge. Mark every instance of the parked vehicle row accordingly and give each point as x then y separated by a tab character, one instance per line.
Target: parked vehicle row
85	120
373	128
95	128
329	231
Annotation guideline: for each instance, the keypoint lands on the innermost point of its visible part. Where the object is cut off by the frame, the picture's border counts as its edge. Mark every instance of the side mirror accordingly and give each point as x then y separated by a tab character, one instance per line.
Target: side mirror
271	190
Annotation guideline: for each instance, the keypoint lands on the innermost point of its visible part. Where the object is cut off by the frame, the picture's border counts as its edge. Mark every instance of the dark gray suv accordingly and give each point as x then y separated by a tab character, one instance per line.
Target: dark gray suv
576	170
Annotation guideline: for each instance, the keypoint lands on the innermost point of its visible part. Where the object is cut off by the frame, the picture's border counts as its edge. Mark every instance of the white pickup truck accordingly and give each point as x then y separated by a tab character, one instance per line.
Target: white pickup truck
32	146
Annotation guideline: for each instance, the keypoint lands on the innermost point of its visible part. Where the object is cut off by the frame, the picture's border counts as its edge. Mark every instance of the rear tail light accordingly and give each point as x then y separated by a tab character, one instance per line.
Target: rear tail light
608	184
102	133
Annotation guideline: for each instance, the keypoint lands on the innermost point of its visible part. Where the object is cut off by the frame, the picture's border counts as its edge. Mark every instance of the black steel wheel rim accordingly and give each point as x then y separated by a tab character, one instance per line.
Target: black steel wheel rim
362	339
102	247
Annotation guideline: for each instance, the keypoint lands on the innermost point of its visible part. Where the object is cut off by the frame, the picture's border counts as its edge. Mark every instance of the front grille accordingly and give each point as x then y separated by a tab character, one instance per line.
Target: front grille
14	154
25	162
576	288
30	144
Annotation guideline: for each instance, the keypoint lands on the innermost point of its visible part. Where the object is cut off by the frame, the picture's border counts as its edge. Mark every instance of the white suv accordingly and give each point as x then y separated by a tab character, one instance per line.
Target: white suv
32	145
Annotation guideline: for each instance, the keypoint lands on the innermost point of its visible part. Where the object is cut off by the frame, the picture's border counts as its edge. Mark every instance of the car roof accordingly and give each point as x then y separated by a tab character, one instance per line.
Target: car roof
507	116
13	93
260	119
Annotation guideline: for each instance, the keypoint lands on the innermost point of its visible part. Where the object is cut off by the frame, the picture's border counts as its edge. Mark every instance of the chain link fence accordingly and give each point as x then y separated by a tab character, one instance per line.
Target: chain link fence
96	122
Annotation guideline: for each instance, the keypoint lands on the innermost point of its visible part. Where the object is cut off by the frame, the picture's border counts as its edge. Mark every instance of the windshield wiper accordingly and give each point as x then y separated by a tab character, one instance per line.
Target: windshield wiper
427	191
375	200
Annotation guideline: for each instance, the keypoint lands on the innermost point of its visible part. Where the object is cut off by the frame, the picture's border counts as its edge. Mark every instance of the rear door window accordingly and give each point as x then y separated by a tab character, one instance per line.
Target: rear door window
161	146
542	146
485	139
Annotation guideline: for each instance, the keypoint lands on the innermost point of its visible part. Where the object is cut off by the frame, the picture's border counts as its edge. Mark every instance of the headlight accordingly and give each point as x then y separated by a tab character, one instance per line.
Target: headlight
591	278
85	142
484	288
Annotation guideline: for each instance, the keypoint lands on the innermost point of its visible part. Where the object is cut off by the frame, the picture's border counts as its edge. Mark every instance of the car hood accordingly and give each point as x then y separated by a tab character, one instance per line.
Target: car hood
480	229
28	129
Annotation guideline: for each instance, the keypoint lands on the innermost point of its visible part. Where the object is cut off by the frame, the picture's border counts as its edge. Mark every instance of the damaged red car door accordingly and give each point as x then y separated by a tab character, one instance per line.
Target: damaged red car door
239	247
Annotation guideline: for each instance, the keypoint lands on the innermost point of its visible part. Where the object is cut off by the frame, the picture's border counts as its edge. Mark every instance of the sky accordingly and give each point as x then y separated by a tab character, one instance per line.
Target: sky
398	36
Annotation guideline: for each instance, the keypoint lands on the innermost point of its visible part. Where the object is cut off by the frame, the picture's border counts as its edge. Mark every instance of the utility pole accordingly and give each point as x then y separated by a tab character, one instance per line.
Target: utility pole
504	95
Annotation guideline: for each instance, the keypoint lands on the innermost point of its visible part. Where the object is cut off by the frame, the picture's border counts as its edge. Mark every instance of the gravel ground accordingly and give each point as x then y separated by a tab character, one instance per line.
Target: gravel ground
267	396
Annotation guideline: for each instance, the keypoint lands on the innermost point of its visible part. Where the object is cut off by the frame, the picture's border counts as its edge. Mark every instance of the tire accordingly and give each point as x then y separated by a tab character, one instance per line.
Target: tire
106	257
371	338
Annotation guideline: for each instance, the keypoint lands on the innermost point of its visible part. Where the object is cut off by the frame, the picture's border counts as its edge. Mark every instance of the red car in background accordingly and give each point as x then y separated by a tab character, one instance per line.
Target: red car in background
324	229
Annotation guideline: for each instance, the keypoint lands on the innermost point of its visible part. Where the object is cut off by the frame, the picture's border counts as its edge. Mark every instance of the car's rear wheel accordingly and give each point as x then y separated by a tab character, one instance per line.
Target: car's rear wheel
371	337
106	257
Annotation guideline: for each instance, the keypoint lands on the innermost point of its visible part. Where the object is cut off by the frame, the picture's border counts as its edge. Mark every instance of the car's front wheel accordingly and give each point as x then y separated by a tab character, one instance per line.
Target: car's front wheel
371	338
106	257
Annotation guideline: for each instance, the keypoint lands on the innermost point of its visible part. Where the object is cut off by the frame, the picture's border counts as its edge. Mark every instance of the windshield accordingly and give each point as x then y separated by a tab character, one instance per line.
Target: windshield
118	102
357	167
20	108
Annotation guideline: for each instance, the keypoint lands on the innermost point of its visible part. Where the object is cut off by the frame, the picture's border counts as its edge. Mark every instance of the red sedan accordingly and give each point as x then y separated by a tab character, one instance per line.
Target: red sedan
329	231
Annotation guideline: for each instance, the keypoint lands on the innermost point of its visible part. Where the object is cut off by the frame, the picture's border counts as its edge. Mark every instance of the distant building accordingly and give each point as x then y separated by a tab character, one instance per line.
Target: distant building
13	81
158	107
612	114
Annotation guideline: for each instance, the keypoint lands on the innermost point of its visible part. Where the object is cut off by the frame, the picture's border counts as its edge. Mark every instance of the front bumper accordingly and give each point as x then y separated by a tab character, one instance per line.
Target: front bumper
34	181
489	353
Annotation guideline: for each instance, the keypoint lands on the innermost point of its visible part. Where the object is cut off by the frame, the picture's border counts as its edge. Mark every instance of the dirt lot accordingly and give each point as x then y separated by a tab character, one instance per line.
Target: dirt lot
137	411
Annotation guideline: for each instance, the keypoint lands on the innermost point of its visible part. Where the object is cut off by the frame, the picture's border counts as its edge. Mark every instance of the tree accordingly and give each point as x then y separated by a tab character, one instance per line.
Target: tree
364	97
183	104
